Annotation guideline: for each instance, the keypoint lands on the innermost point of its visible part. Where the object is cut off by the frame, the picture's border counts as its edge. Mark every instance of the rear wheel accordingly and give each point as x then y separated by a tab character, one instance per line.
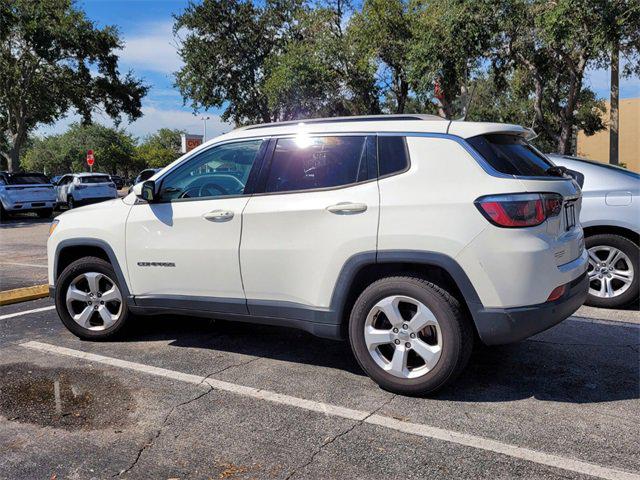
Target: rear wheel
613	271
70	203
89	299
409	335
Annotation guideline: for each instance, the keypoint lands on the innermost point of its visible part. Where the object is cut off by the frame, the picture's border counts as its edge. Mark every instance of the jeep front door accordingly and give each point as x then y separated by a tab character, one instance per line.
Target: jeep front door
182	249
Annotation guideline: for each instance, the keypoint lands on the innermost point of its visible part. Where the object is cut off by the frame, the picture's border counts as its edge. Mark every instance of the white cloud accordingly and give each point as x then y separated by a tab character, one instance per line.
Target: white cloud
154	50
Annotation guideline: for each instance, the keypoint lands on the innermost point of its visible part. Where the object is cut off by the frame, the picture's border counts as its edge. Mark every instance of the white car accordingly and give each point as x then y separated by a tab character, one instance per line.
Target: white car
610	217
76	189
26	192
410	235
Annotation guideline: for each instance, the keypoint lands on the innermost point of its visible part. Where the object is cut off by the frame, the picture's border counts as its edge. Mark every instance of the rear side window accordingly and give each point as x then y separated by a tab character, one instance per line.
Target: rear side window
393	155
95	179
511	154
308	163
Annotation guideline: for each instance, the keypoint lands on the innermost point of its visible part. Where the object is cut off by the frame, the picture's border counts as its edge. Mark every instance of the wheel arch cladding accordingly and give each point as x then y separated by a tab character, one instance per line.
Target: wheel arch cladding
363	269
68	251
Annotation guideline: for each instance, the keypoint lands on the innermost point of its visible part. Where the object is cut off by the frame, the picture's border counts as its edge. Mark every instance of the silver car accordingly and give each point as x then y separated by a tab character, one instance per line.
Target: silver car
610	217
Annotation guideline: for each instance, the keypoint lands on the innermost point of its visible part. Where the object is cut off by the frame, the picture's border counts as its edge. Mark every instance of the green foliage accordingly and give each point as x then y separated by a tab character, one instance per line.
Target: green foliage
159	149
113	150
53	59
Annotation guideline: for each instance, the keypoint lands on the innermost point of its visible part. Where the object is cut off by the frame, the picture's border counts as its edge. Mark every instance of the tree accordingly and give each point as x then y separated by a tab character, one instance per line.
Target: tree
554	42
451	38
225	53
113	149
159	149
383	28
321	72
53	59
621	22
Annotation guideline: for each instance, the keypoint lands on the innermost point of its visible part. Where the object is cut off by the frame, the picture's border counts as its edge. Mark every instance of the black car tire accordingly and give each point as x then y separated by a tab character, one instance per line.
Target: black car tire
632	251
456	330
80	266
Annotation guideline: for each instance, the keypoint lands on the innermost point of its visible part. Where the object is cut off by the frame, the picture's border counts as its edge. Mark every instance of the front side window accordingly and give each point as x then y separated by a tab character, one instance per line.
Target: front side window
511	154
218	172
307	163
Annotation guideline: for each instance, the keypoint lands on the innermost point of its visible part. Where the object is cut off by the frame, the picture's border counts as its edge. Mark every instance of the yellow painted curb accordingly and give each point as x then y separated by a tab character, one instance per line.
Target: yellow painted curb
16	295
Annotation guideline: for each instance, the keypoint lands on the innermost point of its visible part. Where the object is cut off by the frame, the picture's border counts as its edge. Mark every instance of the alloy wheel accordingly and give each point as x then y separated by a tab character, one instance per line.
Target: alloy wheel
403	336
94	301
610	271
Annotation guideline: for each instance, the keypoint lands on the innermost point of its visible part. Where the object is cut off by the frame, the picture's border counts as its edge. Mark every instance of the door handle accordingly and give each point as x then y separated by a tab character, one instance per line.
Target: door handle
347	208
218	216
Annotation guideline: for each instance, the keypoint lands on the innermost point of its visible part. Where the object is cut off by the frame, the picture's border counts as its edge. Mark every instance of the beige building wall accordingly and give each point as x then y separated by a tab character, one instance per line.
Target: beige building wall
596	147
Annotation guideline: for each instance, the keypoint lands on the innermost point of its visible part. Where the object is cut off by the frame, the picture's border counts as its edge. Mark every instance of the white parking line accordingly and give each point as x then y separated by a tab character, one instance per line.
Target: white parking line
417	429
617	323
23	264
26	312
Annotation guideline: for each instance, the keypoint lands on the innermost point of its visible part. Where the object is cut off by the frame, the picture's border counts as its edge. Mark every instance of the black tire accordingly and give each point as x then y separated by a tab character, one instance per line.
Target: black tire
632	251
45	213
456	330
70	203
84	265
3	213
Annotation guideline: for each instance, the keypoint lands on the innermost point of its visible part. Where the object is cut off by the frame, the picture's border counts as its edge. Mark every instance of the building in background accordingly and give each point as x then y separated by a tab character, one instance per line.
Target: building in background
190	141
596	147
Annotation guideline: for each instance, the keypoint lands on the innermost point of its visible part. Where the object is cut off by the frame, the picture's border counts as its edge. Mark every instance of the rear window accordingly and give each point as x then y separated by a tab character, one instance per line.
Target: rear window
511	154
95	179
393	155
27	179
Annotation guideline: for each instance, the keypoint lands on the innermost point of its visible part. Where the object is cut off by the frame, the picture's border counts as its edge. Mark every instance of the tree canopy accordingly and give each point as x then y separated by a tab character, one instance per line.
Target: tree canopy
53	59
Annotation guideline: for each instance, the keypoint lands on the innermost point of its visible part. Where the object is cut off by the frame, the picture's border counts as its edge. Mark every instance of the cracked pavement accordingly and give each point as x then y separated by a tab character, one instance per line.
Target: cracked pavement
572	391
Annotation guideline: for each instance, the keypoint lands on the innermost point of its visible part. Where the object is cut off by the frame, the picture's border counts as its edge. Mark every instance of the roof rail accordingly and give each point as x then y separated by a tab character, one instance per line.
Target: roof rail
355	118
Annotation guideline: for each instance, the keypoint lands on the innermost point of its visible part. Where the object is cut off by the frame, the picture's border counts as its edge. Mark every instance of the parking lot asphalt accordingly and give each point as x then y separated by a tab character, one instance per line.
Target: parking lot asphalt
23	251
178	397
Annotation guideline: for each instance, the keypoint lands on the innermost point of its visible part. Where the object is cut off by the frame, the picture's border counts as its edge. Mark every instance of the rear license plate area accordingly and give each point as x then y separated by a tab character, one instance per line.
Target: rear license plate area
570	215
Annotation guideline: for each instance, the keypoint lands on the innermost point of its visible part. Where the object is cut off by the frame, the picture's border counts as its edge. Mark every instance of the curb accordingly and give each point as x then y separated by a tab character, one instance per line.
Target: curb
24	294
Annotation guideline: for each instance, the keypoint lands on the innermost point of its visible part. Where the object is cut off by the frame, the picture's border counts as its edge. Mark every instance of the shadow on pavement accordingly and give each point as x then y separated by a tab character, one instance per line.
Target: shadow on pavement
545	370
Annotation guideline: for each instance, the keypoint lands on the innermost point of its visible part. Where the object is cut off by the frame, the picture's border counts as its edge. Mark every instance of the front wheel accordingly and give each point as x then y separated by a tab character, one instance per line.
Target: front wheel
90	301
613	271
409	335
70	203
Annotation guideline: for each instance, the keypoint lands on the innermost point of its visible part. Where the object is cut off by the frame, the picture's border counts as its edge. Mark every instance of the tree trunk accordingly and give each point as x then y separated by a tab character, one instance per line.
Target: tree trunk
564	140
614	114
13	160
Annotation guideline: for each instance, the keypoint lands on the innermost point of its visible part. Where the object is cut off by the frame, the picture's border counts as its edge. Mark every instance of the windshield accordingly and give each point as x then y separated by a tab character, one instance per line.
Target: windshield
95	179
27	179
511	154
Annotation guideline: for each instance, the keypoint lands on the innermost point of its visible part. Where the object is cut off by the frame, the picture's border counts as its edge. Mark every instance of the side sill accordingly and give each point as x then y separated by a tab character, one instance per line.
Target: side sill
324	330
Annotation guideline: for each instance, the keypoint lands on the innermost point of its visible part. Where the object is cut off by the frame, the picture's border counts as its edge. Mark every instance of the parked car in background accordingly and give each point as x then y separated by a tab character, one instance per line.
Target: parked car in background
411	234
76	189
26	192
144	175
118	181
610	218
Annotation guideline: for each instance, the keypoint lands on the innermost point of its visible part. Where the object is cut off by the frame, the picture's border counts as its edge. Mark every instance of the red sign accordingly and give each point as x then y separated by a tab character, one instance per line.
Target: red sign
90	159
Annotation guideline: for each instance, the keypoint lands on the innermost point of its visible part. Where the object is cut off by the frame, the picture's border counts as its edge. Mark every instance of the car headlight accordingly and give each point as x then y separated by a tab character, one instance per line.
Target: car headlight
53	226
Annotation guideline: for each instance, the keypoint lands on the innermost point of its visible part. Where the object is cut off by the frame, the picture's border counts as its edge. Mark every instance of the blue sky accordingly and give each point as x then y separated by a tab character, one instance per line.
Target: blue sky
150	52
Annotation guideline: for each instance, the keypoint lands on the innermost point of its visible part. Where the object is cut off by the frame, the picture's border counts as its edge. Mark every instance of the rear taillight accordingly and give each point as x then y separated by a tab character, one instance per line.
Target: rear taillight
519	209
557	293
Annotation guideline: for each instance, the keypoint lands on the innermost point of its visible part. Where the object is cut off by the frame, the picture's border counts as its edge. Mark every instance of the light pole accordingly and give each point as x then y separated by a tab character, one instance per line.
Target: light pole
204	122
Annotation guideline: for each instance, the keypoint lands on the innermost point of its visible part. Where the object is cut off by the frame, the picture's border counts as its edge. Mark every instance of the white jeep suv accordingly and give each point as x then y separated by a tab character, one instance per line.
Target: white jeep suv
77	189
410	235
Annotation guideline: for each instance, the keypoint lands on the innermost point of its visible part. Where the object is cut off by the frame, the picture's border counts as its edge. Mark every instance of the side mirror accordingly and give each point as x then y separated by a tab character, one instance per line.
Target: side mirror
145	190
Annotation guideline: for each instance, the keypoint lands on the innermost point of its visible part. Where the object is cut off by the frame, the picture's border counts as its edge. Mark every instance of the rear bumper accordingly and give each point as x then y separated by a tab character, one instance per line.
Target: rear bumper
498	326
30	206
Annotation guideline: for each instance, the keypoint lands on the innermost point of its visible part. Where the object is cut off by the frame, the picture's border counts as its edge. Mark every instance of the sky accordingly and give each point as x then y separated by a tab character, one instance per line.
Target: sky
150	52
